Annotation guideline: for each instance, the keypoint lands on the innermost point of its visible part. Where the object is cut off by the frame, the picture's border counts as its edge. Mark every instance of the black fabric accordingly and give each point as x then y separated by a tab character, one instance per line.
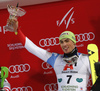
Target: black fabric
73	52
97	68
96	86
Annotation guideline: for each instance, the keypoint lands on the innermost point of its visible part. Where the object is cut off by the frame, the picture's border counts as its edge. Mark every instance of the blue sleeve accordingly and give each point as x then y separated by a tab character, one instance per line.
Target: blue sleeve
52	59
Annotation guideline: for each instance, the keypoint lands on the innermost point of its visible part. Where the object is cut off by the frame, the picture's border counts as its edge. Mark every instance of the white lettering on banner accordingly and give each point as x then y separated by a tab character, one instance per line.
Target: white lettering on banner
64	19
49	72
81	45
51	87
28	88
48	49
15	46
55	41
2	29
19	68
17	76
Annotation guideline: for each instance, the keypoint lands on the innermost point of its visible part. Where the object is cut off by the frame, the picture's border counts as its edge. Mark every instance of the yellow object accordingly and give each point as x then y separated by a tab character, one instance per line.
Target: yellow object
16	33
93	57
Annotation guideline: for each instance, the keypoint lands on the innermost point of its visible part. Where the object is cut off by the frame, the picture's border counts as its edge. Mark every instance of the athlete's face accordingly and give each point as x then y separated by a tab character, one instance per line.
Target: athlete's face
67	45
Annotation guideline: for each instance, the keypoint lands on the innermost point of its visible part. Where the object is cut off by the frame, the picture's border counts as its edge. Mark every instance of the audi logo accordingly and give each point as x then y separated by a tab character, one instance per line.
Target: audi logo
19	68
85	37
51	87
55	41
28	88
46	66
49	42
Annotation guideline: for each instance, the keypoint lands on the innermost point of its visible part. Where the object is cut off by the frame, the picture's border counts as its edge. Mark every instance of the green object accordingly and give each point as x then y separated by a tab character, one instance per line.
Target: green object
4	75
67	34
16	33
79	80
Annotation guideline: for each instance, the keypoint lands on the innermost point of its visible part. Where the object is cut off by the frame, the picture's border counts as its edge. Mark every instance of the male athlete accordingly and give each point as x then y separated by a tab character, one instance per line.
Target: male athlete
72	68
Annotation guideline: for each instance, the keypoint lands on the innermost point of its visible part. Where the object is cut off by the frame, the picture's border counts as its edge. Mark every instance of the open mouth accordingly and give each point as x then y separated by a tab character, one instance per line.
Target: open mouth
66	49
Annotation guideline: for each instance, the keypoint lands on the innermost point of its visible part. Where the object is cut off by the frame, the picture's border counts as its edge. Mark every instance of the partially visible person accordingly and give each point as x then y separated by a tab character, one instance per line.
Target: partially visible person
6	86
96	86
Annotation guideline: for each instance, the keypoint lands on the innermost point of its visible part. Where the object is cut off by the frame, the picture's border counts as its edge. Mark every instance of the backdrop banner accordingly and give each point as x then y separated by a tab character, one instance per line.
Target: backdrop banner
43	24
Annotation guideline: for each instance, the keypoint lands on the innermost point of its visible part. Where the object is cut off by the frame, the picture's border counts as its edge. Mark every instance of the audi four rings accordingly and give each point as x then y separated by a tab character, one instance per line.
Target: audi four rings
28	88
49	42
51	87
45	66
85	37
19	68
55	41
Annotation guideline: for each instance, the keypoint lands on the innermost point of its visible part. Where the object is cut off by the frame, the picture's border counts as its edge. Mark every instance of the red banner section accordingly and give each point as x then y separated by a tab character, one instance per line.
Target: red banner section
43	25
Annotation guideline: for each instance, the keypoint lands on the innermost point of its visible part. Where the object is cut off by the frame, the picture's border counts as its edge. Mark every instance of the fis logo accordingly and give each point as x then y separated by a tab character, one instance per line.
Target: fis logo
66	21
